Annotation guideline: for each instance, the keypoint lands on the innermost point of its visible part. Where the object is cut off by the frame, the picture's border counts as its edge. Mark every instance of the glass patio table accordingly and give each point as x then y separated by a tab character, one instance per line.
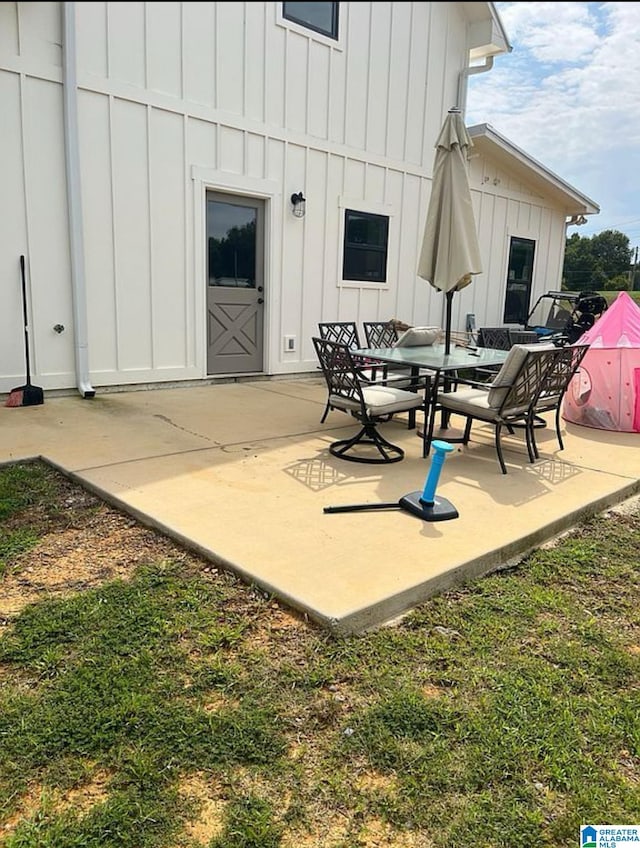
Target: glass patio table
444	366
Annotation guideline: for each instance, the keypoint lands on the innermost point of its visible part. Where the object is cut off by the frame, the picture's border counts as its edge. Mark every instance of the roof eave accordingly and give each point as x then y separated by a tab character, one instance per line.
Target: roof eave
484	135
487	35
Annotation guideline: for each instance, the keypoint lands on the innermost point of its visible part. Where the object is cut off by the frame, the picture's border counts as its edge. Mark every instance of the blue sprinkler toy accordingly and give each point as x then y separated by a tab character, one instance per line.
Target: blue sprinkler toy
424	504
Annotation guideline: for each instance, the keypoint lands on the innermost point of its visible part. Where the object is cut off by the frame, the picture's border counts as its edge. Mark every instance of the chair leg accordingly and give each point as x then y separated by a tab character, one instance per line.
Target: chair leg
367	435
467	431
532	447
558	432
558	425
325	413
503	467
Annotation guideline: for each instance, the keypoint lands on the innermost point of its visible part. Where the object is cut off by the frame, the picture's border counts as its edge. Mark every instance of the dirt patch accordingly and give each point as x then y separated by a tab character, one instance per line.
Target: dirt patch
209	820
83	543
103	546
79	799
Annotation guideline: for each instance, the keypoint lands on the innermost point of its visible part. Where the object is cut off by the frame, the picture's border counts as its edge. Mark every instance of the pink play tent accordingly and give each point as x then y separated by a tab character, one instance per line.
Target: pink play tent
605	393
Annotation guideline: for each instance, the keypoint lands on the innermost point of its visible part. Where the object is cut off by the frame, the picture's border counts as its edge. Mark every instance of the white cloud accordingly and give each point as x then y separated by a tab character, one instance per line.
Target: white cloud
569	96
552	32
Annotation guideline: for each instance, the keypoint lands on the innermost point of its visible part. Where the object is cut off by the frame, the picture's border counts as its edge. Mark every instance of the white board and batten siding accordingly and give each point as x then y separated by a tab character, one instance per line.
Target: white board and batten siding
507	208
178	98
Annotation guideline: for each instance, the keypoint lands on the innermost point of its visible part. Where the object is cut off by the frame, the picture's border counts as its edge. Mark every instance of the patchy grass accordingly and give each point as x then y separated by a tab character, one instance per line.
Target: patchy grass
150	700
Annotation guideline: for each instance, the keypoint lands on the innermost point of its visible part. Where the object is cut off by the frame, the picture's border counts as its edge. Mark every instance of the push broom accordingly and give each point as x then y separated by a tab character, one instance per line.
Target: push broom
27	395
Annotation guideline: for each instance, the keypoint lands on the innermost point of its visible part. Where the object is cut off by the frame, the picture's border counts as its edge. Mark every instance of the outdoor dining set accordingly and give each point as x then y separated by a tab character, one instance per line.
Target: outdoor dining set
493	380
497	377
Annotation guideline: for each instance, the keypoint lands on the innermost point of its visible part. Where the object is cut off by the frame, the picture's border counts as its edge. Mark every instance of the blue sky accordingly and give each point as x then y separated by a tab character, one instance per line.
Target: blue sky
568	95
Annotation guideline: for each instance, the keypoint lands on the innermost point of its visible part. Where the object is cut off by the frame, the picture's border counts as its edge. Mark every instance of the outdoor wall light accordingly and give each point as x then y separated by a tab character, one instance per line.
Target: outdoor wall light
299	204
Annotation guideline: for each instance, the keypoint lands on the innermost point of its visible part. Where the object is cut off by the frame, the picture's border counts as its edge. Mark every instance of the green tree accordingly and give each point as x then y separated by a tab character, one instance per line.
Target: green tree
613	252
619	283
593	263
233	257
579	264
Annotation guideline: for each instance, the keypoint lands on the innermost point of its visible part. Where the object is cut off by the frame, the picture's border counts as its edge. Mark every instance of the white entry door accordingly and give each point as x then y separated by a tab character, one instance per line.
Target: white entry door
235	283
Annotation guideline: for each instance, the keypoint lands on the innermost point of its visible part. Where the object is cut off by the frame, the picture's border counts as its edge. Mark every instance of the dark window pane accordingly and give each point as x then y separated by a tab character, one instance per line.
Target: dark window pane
365	247
366	229
321	17
231	231
365	265
519	276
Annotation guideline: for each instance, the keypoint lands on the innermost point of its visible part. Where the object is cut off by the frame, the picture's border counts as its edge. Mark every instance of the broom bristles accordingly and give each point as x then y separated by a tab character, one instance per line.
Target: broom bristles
27	395
15	398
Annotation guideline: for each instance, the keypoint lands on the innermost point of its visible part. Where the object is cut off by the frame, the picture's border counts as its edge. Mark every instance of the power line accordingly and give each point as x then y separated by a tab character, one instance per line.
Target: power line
616	227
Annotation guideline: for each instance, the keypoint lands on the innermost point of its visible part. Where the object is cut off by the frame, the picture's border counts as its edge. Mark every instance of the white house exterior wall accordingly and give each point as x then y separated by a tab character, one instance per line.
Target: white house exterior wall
176	98
506	207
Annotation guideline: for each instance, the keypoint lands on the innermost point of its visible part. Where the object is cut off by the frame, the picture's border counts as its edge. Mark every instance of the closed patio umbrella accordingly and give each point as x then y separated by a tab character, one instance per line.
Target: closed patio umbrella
450	253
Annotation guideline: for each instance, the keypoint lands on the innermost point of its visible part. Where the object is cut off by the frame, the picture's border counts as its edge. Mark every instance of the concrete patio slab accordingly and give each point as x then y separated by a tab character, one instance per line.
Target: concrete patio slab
240	472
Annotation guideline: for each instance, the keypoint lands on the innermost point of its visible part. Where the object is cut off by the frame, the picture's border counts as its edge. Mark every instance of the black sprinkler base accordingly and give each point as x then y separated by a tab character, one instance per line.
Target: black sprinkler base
440	510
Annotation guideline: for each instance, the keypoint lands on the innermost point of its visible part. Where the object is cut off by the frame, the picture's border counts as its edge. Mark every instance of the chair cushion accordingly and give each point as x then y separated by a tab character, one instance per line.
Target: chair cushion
380	400
509	370
418	336
475	402
469	401
400	378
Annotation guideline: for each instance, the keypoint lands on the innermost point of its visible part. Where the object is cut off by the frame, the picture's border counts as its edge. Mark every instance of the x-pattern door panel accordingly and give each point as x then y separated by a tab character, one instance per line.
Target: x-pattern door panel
235	333
235	283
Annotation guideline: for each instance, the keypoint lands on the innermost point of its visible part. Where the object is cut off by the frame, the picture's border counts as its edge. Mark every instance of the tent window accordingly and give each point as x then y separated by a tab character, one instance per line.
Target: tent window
366	238
519	277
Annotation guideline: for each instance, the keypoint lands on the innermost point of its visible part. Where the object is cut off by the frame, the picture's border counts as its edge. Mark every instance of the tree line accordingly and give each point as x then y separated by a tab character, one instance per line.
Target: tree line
603	262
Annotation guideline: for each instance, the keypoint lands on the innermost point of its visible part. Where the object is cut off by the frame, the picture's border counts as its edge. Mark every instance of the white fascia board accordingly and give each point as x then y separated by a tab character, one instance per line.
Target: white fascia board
487	35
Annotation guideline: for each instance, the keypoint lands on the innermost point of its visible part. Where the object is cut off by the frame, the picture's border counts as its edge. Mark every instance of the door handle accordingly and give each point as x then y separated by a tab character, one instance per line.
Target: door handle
260	300
260	288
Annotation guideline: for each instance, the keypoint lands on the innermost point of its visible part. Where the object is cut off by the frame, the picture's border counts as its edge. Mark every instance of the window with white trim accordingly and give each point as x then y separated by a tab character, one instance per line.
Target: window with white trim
320	17
366	241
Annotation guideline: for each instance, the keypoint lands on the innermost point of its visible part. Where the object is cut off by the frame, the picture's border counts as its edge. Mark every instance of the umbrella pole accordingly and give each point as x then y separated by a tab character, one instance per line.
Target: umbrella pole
447	325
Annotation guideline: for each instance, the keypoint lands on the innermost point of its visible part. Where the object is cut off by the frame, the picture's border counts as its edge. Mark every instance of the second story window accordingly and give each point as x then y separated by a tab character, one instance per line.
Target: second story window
320	17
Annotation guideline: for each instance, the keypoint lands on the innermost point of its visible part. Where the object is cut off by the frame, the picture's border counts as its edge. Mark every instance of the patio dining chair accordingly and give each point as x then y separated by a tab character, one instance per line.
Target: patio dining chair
508	400
342	332
555	384
498	338
346	333
523	336
385	334
371	404
380	333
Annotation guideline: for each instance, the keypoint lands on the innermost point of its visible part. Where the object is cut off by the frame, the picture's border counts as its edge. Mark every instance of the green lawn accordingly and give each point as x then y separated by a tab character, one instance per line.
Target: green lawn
174	706
610	296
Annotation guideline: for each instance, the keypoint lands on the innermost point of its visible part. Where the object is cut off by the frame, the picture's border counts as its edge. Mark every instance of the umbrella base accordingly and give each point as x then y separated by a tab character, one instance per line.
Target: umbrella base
440	510
446	434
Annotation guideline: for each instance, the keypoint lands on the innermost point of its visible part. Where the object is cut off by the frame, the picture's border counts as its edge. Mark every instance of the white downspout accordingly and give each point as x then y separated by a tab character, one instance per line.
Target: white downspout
74	200
465	74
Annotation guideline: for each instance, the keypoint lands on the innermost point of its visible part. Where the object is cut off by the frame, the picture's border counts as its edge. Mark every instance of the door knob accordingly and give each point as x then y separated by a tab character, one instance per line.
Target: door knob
260	300
260	288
